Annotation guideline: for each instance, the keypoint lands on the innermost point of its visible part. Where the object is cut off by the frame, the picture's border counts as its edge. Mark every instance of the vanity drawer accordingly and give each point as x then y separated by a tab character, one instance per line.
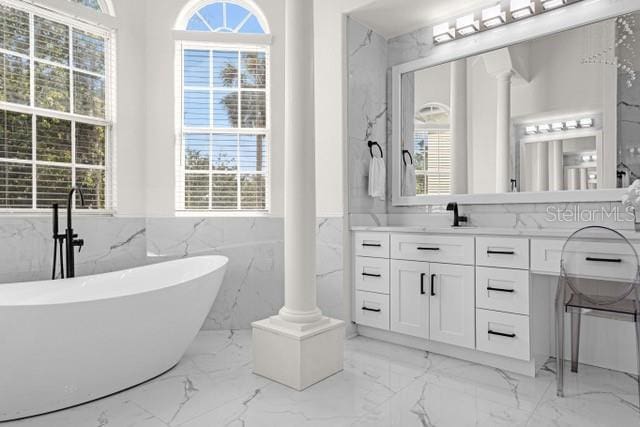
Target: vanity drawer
502	289
372	309
372	244
502	252
433	248
599	260
503	333
372	274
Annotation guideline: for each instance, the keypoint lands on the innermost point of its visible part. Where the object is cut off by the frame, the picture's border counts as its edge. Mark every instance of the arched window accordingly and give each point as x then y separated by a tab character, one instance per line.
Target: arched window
224	138
104	6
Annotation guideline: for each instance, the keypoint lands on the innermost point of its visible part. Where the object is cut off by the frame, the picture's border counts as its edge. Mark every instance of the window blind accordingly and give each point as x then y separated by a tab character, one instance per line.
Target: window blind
223	154
432	161
55	122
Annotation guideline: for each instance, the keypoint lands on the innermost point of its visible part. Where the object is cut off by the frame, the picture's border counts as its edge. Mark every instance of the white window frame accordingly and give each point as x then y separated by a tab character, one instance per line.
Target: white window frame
34	112
216	43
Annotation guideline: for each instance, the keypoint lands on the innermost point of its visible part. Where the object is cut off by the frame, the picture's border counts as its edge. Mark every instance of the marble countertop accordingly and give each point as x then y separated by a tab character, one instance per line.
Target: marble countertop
482	231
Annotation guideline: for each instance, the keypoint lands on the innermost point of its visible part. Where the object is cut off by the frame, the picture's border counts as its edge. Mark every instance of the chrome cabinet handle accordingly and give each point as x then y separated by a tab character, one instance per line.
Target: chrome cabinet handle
501	334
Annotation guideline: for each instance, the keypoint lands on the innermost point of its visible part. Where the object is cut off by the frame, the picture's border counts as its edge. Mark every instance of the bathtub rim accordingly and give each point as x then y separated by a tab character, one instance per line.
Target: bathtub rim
5	305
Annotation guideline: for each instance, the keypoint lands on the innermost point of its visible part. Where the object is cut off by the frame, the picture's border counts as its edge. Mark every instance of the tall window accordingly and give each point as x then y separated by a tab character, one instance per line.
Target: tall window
54	110
432	148
224	138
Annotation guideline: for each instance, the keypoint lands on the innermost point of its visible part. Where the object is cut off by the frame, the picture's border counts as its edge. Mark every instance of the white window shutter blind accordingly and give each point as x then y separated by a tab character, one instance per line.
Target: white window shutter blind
224	139
56	92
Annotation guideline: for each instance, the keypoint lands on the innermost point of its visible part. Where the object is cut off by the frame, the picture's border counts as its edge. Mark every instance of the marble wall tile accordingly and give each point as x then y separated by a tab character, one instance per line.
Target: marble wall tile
253	287
111	244
329	267
366	111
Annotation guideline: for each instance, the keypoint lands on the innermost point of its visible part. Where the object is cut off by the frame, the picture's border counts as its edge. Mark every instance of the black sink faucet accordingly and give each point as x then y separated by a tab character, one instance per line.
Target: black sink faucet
71	239
457	219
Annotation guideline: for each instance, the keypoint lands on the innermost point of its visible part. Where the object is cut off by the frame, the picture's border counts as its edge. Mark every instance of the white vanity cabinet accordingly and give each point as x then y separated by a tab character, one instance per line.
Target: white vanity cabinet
458	294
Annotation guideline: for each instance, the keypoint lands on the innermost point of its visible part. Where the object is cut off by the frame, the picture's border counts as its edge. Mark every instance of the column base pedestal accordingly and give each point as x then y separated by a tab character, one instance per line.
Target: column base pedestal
297	357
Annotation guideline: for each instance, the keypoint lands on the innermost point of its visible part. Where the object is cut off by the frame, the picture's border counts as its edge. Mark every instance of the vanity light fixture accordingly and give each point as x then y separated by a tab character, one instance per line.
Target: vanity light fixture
467	24
571	124
544	128
493	16
552	4
531	130
443	33
522	8
586	123
586	158
557	126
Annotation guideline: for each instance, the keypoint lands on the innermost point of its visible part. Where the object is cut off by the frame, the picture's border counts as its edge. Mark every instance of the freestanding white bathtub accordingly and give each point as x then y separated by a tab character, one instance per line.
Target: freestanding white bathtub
71	341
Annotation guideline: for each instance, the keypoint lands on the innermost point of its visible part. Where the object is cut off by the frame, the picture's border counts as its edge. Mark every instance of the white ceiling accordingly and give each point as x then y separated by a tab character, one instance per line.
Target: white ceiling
391	18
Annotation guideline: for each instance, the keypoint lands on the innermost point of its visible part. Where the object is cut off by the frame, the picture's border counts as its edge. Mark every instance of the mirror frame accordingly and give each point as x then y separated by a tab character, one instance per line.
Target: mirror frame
549	23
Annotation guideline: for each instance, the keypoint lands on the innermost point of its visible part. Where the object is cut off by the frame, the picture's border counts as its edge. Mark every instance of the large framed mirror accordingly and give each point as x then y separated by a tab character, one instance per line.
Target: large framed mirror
553	116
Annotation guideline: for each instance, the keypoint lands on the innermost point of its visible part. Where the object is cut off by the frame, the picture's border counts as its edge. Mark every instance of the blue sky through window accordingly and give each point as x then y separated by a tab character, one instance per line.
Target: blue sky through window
225	17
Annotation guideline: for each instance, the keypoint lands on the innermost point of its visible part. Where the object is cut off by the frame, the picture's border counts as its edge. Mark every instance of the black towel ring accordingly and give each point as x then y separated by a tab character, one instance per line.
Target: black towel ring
371	144
404	156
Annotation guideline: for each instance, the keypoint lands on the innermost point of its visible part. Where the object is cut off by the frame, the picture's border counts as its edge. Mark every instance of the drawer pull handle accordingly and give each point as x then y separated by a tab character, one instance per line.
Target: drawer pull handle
491	252
433	284
371	275
375	310
372	245
603	259
420	248
501	334
489	288
422	292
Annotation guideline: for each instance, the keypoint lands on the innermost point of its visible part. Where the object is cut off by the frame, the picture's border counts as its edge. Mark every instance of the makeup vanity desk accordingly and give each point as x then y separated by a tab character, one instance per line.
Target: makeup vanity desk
479	294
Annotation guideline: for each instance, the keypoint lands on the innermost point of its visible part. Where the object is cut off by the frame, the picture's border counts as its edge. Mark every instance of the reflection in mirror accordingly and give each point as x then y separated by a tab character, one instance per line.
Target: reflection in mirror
558	113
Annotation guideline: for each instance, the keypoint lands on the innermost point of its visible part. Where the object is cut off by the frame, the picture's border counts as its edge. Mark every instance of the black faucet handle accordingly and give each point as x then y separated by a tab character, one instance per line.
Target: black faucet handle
79	243
463	218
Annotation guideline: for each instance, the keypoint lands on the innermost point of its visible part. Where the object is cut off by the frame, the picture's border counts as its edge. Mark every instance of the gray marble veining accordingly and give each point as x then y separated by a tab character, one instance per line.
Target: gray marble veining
382	385
367	111
110	244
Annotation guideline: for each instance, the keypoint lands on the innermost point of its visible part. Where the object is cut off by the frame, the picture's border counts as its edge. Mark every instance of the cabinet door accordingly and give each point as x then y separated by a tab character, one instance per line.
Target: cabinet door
410	298
452	304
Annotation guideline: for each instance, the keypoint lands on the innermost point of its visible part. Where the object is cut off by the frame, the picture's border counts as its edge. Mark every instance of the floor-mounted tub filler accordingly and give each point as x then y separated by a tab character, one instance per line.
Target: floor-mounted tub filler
67	342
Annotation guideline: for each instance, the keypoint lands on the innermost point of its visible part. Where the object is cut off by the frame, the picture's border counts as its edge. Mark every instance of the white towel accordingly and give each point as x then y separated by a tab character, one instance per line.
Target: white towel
409	181
377	178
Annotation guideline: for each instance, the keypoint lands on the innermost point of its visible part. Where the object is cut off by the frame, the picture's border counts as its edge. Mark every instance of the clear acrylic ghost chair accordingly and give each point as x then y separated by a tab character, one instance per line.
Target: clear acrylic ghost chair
599	280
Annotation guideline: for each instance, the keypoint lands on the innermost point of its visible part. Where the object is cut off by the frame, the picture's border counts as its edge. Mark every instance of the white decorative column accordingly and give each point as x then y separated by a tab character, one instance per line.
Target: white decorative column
584	179
573	179
299	346
503	132
541	167
556	178
458	117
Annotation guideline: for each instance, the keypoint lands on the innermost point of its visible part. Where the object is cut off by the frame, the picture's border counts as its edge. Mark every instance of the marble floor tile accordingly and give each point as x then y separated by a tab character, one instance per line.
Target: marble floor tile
381	385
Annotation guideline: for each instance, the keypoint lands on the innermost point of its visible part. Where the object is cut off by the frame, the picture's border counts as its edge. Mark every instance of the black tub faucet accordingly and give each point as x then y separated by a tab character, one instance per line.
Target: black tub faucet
457	219
71	239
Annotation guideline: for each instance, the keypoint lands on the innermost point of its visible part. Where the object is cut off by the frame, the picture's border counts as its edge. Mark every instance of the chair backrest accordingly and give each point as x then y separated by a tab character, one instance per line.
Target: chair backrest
600	265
